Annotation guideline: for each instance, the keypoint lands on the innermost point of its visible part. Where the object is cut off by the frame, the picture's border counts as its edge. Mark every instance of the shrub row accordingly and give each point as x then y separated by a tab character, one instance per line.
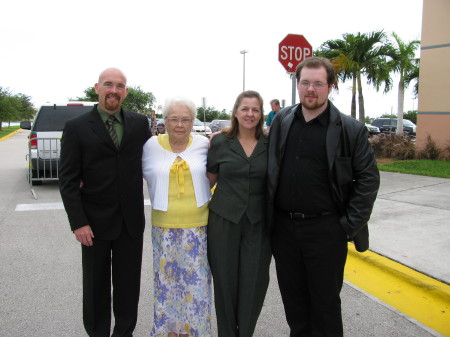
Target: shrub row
403	148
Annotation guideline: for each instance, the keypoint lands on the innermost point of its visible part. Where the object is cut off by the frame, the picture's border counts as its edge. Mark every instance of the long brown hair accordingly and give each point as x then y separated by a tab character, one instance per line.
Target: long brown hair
234	129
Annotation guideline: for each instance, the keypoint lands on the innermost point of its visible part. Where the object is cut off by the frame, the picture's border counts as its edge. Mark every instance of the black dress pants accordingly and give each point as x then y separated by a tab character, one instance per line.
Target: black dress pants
122	257
310	257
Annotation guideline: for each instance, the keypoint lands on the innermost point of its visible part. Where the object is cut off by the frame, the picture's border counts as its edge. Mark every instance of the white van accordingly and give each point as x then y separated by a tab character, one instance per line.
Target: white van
45	138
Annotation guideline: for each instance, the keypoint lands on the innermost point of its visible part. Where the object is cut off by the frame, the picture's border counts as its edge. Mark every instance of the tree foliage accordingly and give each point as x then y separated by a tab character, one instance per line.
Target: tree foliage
136	100
406	65
211	113
89	96
413	76
358	55
25	108
411	115
14	107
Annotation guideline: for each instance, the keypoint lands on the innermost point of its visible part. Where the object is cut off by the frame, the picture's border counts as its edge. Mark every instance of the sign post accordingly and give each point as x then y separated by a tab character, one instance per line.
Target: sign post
204	113
292	50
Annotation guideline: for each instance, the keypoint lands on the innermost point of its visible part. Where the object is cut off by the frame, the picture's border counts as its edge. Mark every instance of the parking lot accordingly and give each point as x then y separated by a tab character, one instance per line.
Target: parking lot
40	274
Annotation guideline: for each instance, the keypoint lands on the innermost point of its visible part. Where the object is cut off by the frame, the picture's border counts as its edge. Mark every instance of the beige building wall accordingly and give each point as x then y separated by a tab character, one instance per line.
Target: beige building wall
433	115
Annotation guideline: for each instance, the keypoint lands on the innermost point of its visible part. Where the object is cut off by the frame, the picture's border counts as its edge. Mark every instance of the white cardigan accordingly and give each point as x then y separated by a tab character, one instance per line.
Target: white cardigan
156	163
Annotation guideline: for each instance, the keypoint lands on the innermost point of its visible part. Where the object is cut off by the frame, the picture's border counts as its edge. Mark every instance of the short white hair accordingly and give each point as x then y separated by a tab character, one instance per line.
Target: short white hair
178	100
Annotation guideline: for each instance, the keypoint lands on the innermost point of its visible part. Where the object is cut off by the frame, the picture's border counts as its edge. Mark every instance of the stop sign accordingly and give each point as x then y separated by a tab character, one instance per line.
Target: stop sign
292	50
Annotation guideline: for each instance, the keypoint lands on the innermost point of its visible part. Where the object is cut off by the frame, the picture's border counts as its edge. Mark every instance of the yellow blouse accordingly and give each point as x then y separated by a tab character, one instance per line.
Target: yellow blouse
182	210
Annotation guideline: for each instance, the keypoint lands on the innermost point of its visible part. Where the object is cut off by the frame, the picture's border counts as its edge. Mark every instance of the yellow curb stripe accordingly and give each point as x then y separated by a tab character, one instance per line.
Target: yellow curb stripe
416	295
9	135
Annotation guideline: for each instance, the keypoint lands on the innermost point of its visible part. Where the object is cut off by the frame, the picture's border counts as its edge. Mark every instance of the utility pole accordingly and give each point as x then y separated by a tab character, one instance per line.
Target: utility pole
243	52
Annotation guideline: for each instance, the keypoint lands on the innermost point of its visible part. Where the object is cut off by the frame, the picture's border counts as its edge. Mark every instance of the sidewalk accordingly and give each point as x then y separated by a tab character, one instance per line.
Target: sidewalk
407	266
410	223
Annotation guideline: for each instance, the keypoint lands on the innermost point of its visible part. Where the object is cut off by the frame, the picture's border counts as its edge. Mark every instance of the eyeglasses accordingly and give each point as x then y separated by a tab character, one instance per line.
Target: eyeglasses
316	85
175	121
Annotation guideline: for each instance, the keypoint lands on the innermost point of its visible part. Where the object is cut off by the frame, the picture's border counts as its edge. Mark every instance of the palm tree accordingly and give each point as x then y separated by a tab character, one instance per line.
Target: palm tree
404	63
340	54
358	55
414	76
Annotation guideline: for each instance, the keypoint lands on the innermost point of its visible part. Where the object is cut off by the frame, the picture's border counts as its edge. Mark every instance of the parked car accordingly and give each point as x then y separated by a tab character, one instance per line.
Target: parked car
200	129
389	125
160	126
45	138
219	124
373	130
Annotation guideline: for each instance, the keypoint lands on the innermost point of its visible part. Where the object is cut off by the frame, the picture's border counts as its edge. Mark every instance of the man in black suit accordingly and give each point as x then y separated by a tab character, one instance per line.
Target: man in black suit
322	184
101	188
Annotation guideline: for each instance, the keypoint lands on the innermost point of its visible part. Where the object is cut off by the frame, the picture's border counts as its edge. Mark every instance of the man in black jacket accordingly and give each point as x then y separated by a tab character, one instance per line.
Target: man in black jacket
322	185
102	189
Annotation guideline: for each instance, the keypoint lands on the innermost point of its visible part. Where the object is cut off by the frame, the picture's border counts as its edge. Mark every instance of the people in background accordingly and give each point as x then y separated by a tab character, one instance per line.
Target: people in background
275	105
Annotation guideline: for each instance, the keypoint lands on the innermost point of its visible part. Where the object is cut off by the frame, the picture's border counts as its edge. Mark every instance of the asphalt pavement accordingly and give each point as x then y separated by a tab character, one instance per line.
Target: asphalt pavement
40	273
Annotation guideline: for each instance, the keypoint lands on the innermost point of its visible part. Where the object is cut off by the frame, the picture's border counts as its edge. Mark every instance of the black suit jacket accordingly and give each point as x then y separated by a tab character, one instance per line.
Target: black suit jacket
112	191
353	172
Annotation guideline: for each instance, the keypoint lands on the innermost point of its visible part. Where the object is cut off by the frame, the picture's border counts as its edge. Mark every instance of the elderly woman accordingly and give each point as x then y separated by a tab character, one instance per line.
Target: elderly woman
174	166
238	241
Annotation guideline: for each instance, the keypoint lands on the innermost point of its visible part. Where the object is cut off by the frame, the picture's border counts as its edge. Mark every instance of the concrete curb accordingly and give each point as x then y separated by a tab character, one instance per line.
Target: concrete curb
10	135
417	295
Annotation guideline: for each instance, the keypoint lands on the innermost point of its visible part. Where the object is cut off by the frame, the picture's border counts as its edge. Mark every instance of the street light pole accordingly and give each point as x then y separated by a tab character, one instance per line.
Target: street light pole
243	52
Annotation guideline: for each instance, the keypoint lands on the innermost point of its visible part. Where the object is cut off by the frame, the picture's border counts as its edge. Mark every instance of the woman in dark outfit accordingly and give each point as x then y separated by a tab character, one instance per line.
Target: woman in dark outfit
238	242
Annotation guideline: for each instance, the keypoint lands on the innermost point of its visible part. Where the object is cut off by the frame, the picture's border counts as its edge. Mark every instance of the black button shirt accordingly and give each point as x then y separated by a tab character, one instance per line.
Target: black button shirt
304	185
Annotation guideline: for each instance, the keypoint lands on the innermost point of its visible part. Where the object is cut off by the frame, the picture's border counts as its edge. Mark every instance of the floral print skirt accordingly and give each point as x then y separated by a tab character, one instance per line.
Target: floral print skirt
182	282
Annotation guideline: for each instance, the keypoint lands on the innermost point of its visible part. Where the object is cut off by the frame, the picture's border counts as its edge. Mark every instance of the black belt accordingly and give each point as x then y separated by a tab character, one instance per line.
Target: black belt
302	216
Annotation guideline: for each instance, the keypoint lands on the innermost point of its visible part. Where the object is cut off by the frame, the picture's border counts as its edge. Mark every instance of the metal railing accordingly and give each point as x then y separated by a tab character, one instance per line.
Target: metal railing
43	161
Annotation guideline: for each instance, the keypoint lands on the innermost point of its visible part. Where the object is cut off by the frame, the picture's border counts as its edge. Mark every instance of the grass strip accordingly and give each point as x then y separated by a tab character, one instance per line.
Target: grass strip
6	130
423	167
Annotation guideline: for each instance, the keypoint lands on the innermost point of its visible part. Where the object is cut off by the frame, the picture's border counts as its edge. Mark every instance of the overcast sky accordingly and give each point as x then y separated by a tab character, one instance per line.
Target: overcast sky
52	50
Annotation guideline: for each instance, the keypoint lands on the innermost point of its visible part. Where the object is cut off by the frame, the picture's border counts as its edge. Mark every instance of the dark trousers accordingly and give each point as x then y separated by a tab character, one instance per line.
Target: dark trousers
239	256
122	257
310	257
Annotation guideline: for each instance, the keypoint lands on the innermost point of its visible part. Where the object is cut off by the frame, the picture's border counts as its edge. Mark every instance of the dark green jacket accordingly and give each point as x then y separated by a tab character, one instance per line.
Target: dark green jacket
242	182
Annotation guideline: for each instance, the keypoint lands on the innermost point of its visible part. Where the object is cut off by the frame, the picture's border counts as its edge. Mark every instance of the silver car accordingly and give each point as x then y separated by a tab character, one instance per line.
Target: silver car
201	129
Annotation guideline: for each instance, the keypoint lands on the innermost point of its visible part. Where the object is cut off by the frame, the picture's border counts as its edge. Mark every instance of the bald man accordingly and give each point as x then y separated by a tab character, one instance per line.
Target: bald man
101	188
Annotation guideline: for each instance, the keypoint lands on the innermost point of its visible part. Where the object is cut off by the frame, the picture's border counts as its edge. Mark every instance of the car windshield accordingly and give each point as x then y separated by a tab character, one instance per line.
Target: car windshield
408	123
225	123
198	122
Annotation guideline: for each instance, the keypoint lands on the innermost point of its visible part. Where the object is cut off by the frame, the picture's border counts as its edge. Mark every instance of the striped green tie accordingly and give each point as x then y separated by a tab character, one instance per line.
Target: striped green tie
112	132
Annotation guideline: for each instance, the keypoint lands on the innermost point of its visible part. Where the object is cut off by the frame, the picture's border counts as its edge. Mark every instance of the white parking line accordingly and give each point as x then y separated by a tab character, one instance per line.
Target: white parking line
50	206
